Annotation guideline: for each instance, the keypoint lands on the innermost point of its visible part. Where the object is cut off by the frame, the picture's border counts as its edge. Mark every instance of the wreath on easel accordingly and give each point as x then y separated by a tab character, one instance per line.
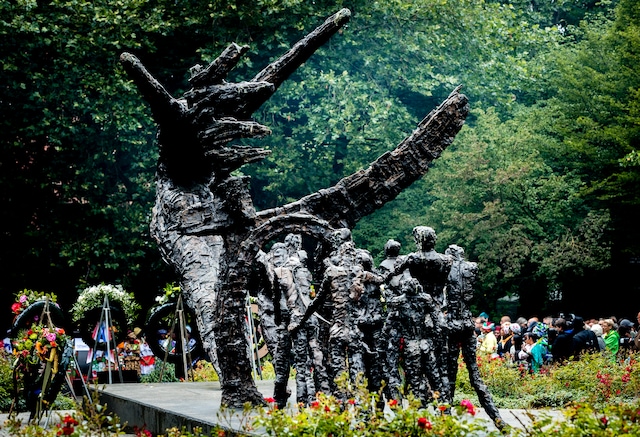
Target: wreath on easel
86	313
42	350
162	325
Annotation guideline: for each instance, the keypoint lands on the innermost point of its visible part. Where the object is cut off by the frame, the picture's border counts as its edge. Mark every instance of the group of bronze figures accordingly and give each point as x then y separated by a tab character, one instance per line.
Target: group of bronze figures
409	313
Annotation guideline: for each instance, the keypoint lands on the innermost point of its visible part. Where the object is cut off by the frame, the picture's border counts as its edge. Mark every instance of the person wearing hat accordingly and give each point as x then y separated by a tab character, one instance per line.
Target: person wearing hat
584	340
489	343
562	347
627	333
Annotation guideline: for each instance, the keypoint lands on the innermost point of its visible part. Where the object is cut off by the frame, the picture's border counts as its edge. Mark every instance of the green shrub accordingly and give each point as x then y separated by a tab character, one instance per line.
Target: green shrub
584	419
593	378
162	369
6	384
204	371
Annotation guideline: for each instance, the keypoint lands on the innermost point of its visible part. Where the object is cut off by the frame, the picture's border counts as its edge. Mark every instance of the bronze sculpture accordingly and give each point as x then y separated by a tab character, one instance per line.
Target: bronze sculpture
204	220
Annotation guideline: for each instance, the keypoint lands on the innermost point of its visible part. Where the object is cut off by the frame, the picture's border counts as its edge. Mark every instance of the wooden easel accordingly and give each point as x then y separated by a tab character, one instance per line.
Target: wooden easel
106	321
179	316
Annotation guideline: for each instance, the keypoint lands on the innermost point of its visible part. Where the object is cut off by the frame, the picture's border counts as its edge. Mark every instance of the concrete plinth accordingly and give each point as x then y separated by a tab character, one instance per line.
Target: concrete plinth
197	404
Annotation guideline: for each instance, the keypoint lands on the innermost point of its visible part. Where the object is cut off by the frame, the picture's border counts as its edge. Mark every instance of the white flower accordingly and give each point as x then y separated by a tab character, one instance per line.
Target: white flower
93	297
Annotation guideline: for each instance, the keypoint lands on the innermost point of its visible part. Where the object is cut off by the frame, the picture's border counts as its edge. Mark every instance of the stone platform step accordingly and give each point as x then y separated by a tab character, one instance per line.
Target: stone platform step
161	406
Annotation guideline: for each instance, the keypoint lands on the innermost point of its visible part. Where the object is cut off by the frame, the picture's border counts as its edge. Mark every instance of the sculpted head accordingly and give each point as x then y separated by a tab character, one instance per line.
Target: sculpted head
455	251
425	237
340	236
392	248
365	259
279	254
293	242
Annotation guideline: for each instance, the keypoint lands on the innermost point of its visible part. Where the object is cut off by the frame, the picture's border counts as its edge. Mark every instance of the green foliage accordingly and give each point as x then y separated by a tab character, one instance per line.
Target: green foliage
204	371
585	419
594	110
348	104
538	170
81	159
593	379
162	369
6	383
362	415
493	194
88	419
586	390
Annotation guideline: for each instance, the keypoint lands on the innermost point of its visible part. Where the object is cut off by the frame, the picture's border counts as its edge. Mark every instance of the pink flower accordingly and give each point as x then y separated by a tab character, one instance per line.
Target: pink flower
51	337
466	403
142	432
23	298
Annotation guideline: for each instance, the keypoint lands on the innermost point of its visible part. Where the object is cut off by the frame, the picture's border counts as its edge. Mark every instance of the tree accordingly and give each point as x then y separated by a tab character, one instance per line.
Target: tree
76	181
593	114
527	225
545	196
77	146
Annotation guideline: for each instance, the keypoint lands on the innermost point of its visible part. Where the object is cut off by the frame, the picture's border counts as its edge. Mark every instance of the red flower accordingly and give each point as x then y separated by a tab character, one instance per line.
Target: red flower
270	400
65	430
326	408
142	432
604	420
352	401
315	404
69	420
442	407
16	308
393	402
424	423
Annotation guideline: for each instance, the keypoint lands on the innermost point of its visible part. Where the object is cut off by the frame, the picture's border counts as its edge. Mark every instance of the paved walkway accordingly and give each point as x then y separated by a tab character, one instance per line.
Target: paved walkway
189	404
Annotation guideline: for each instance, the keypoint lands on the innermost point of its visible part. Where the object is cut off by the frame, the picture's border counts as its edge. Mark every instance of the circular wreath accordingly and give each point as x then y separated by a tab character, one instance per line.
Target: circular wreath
88	325
36	344
158	320
31	315
87	312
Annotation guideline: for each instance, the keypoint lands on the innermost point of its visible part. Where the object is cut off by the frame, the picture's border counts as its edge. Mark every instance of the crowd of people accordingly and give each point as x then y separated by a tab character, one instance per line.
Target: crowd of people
533	343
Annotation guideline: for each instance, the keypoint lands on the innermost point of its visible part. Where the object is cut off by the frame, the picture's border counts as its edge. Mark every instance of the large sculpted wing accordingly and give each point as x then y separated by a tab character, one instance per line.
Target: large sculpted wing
363	192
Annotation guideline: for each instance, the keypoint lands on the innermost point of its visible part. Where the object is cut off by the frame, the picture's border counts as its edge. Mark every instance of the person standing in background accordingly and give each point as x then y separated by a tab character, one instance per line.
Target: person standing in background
611	337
